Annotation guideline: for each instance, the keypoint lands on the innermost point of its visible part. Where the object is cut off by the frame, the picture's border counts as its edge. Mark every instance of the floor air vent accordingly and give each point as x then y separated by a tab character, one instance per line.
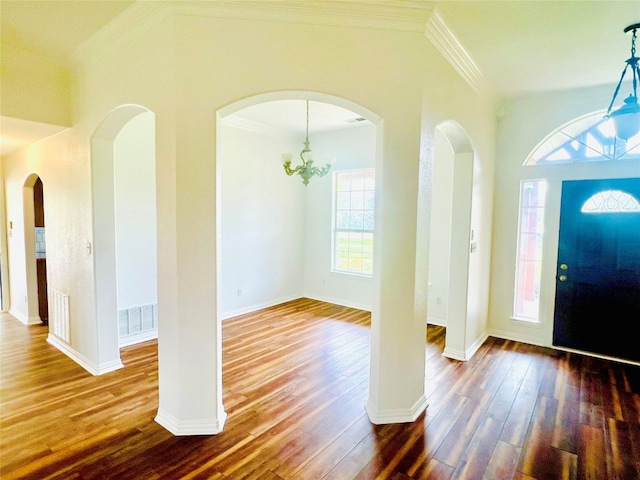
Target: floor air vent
137	323
60	321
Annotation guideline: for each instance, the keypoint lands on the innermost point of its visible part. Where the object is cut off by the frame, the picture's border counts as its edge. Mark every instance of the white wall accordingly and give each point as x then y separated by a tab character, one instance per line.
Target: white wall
276	233
262	215
353	148
134	158
4	258
440	237
185	68
525	123
63	167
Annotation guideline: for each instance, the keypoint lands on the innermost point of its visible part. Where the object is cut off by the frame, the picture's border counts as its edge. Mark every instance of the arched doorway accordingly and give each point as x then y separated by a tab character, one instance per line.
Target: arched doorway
35	250
452	238
311	190
111	234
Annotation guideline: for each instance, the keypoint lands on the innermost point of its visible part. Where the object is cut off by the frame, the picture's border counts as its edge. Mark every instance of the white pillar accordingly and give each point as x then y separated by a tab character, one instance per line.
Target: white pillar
456	336
189	332
396	392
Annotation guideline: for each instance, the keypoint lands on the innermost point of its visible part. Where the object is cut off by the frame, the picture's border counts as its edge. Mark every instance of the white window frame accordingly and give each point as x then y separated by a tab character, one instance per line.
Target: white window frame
338	231
537	259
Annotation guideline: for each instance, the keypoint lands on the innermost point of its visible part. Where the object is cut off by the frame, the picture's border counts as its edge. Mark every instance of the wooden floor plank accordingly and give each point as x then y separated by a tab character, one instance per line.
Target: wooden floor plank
295	383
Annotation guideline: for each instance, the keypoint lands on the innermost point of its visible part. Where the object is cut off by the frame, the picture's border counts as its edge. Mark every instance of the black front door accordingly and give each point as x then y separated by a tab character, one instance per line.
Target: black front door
597	305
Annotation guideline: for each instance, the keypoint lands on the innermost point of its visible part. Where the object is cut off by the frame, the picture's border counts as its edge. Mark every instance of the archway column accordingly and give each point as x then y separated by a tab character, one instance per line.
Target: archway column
32	313
397	392
189	331
457	341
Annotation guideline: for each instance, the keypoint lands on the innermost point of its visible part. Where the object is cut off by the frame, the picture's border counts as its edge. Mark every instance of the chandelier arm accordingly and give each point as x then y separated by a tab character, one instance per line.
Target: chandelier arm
615	93
290	171
321	172
306	169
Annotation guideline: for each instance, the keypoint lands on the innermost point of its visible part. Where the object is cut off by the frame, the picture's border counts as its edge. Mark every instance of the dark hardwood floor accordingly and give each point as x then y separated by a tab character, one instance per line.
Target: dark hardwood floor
295	386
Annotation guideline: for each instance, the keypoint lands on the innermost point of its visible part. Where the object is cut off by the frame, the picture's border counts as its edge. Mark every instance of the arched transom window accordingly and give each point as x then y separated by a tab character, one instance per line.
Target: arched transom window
586	139
611	201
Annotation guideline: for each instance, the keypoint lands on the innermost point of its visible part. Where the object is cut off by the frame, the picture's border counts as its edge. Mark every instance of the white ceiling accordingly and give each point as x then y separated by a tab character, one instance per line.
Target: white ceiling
526	47
521	47
290	115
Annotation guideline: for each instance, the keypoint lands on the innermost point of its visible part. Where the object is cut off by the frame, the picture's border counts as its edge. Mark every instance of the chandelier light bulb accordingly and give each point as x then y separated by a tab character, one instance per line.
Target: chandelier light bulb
626	119
306	170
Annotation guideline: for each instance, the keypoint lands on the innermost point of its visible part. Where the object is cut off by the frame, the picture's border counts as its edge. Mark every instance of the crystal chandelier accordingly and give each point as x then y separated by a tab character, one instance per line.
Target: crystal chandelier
306	170
626	119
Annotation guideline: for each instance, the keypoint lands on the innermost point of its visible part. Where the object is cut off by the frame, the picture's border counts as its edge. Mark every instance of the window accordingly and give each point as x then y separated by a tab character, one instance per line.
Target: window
529	257
353	213
611	201
586	139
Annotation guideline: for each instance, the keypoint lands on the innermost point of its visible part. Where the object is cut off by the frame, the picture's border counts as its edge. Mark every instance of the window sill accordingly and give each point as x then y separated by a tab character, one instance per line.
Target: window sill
527	321
352	274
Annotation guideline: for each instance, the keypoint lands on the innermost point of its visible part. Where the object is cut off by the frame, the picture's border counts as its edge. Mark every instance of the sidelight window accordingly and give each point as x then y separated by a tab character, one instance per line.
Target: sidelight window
529	257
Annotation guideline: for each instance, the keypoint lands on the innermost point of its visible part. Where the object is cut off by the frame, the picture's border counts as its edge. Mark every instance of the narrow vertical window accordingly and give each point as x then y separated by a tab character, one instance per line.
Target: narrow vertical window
353	214
529	259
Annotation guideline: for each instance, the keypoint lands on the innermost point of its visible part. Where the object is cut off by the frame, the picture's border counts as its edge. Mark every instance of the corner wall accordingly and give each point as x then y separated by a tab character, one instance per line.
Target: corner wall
263	222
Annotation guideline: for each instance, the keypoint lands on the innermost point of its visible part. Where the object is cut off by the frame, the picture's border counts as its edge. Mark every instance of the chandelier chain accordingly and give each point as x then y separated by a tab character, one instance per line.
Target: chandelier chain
306	169
307	134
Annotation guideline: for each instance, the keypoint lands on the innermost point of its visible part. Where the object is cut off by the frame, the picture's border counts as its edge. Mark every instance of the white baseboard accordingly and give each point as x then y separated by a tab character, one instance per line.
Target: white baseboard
278	301
465	355
23	318
455	354
477	344
535	341
139	338
256	307
191	427
383	417
341	302
81	360
35	320
507	335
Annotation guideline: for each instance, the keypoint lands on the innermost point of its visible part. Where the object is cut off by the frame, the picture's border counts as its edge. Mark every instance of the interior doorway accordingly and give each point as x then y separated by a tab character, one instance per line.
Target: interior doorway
117	237
275	217
35	251
597	303
452	239
41	251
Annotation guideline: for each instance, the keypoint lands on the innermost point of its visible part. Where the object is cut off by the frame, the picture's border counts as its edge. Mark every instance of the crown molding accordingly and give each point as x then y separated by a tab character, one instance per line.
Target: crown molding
142	14
396	15
404	15
442	37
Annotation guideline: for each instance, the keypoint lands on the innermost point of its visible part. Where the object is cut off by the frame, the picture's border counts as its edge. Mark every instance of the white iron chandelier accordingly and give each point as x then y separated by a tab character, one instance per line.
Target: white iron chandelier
626	119
306	170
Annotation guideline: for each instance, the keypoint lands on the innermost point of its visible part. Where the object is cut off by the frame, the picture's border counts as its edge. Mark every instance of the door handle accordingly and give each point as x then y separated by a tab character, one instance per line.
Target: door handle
562	278
564	266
